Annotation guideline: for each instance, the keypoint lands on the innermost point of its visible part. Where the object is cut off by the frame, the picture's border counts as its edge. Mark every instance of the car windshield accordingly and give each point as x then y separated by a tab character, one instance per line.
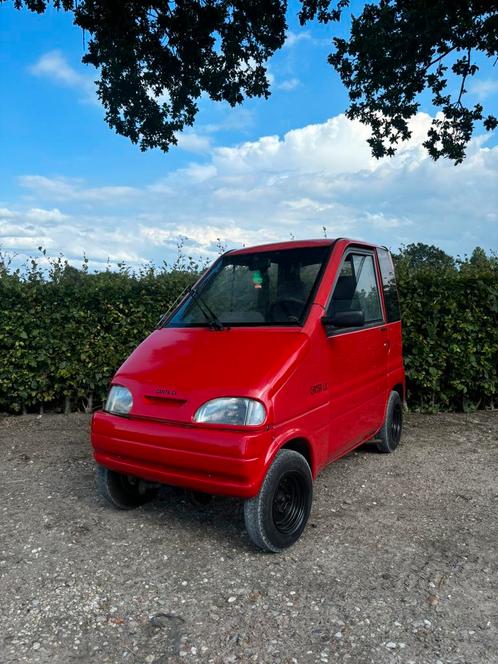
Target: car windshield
256	288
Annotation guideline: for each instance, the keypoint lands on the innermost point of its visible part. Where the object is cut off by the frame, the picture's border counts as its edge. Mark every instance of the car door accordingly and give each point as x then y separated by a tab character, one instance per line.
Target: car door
357	356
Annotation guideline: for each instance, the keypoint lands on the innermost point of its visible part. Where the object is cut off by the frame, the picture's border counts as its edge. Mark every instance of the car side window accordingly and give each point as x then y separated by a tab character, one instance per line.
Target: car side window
356	288
389	285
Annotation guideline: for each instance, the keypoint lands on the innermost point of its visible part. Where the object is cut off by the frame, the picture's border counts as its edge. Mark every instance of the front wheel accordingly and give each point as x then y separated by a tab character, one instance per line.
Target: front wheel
277	515
123	491
390	434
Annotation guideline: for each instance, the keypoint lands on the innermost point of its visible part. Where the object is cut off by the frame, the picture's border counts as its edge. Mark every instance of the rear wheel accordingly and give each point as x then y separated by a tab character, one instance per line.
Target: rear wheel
123	491
390	434
277	516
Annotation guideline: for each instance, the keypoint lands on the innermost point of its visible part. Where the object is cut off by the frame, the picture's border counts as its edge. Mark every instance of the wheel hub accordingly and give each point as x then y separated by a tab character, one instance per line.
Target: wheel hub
289	504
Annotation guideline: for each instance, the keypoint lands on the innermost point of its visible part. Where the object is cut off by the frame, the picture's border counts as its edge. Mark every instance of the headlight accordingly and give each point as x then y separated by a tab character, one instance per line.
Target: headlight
119	400
232	410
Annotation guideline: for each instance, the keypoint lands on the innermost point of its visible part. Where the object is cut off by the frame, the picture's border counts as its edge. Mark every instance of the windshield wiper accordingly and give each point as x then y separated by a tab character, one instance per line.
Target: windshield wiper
213	320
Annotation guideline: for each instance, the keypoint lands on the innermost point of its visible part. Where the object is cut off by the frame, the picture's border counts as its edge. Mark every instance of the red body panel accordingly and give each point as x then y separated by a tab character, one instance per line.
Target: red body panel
327	392
201	458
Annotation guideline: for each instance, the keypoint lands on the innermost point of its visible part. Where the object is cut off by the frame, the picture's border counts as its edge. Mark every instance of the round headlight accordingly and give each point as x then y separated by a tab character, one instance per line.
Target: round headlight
119	400
232	410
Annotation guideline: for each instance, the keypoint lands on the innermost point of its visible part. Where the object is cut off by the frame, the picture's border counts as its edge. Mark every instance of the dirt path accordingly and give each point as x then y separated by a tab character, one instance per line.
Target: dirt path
398	563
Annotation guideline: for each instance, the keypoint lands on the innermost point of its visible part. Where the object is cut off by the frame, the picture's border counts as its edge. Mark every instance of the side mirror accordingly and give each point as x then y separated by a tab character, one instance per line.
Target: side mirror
354	318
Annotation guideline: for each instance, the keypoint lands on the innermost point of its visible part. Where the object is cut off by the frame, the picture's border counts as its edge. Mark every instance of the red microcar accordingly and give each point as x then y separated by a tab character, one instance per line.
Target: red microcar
281	359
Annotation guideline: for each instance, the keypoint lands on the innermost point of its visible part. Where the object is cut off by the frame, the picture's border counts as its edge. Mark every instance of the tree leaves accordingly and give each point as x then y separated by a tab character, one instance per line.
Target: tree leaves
155	60
397	49
64	334
450	328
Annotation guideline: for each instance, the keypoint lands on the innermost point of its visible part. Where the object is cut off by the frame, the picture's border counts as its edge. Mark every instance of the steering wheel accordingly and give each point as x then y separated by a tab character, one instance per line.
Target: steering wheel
291	307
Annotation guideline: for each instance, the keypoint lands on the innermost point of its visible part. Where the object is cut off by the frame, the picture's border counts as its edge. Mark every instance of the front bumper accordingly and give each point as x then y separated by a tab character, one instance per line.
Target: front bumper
218	461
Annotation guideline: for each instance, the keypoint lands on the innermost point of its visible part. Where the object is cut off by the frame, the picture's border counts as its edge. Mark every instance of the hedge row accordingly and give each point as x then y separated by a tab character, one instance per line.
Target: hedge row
63	334
63	331
450	332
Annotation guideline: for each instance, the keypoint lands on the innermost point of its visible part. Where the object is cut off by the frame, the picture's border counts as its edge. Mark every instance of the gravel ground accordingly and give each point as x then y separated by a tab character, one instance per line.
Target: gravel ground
397	564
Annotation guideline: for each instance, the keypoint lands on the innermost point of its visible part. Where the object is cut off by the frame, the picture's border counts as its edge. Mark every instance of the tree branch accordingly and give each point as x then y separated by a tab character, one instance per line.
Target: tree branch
440	57
464	78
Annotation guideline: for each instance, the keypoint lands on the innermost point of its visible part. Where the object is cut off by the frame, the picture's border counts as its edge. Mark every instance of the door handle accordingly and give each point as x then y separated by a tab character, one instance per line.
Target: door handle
386	344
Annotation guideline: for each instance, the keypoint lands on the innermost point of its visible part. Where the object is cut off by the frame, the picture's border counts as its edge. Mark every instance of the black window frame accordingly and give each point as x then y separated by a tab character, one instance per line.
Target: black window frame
389	288
335	331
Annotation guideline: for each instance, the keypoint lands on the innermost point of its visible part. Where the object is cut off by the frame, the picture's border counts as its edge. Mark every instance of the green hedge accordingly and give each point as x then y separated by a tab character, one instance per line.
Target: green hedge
450	333
63	331
63	334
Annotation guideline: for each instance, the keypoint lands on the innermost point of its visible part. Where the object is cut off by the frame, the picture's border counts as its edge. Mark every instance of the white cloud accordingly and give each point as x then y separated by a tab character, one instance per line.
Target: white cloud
198	172
233	119
288	85
8	230
483	88
41	215
203	237
304	36
5	213
56	188
293	38
380	220
73	189
285	85
26	230
54	67
266	190
193	142
335	146
18	234
308	204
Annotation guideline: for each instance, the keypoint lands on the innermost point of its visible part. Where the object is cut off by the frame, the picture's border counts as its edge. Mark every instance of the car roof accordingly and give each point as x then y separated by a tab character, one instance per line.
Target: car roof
278	246
297	244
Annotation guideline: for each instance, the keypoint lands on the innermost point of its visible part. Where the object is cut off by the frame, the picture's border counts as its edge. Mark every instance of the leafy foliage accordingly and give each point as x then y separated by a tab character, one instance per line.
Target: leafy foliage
450	328
156	59
399	48
64	332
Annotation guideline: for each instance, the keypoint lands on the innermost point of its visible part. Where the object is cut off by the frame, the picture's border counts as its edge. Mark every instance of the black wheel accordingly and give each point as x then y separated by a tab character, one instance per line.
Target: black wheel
123	491
277	516
390	434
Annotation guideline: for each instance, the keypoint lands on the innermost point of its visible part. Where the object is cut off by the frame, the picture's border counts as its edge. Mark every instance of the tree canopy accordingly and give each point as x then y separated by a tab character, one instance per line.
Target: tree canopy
419	255
155	59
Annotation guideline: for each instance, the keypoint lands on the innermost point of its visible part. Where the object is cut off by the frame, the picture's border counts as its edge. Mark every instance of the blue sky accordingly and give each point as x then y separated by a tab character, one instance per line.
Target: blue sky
268	170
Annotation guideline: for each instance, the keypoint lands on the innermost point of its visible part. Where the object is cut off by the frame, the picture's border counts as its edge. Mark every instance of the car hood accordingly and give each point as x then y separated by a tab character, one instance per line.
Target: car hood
175	370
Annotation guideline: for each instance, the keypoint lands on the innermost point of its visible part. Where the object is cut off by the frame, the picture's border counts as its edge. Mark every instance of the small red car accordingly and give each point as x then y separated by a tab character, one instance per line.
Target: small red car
281	359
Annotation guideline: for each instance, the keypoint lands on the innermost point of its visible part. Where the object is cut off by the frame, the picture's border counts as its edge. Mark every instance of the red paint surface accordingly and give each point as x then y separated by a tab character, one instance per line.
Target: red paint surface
330	393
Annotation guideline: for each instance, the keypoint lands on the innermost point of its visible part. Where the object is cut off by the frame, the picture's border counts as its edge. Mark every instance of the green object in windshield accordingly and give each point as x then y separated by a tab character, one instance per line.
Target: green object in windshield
257	279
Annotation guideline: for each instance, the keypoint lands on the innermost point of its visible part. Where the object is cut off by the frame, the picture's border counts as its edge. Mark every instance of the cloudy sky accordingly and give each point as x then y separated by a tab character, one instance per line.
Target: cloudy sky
266	171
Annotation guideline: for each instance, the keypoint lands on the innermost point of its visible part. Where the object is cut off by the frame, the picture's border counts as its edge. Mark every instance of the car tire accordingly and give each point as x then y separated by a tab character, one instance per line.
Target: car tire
390	435
123	491
277	515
